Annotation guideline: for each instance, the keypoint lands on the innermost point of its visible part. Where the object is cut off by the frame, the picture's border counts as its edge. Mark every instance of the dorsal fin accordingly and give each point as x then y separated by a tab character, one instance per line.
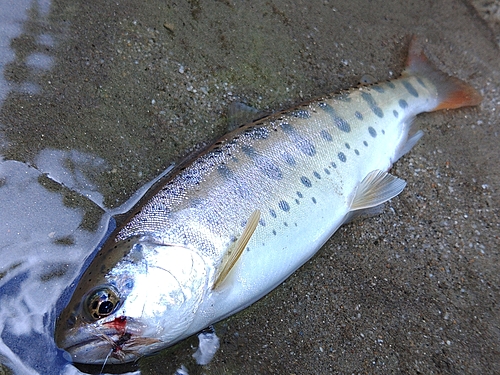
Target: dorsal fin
234	251
376	188
239	114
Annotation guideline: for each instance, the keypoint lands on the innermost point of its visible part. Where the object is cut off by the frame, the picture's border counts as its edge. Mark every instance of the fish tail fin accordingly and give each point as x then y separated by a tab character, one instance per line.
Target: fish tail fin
452	92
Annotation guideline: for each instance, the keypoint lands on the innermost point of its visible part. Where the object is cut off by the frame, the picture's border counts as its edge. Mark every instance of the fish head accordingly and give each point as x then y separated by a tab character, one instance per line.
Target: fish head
135	298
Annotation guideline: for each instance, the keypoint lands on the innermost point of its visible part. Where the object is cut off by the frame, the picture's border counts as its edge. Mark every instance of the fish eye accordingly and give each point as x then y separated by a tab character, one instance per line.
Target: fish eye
102	302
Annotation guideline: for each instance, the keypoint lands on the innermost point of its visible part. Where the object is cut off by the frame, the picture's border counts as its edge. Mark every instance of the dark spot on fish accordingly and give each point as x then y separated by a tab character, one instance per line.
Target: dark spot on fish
326	136
419	80
368	98
306	146
301	113
273	213
378	89
225	172
358	115
372	132
274	232
289	159
262	222
285	223
347	145
305	181
303	144
327	171
378	111
365	143
342	157
314	200
356	152
317	175
395	113
338	121
299	194
403	104
287	128
409	87
249	151
283	205
333	164
263	163
390	84
297	201
269	169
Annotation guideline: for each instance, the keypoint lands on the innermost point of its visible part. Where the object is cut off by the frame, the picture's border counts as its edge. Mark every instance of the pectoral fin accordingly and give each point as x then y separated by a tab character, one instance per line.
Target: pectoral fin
376	188
235	251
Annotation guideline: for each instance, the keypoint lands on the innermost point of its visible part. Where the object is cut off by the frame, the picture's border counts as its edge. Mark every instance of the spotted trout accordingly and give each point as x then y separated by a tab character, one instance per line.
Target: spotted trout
230	225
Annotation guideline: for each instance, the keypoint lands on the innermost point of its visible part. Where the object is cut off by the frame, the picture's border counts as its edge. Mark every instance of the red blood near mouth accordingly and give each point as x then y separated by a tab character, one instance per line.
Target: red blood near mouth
119	324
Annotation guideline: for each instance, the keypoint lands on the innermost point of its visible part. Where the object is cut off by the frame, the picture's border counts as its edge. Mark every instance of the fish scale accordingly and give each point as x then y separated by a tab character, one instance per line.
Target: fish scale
232	224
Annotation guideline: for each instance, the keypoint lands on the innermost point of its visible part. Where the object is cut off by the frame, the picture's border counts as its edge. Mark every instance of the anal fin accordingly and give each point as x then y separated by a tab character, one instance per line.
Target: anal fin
376	188
235	251
408	145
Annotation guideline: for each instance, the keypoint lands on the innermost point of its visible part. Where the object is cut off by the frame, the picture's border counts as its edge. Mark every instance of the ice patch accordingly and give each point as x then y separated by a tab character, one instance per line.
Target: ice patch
40	61
42	250
181	371
71	169
36	268
209	344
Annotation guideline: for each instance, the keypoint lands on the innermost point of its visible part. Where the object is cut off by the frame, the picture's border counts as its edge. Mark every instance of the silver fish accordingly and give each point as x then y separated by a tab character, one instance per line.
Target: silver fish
231	225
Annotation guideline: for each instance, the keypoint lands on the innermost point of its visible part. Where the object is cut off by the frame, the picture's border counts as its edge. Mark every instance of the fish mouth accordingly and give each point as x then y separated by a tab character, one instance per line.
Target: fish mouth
100	345
100	348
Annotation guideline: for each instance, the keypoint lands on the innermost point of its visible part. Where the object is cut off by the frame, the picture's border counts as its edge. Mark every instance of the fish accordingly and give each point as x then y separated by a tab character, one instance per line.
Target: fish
226	227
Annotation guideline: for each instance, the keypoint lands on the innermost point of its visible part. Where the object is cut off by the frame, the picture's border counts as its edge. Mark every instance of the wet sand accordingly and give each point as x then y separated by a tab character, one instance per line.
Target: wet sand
414	290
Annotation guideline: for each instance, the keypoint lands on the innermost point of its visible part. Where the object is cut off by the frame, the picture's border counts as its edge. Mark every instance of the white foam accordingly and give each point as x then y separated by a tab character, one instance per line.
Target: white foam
34	268
70	168
208	346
